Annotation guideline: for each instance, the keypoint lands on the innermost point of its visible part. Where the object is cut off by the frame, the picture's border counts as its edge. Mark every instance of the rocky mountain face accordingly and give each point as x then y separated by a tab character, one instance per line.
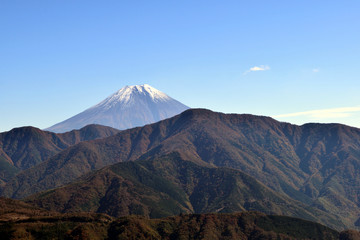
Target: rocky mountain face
316	164
131	106
25	147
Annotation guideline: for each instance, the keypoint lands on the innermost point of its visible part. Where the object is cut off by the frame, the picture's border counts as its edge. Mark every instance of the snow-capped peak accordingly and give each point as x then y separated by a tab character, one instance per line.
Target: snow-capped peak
125	94
152	92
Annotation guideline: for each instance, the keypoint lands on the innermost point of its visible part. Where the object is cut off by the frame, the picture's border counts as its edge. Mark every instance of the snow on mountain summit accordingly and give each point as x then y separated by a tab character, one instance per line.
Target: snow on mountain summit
128	93
131	106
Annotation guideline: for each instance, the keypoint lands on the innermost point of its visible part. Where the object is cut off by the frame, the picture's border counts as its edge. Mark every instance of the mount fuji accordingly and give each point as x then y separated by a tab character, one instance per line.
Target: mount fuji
131	106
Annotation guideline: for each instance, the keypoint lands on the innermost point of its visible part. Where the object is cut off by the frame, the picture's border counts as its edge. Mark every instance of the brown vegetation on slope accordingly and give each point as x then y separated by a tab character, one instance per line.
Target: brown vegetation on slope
35	223
168	186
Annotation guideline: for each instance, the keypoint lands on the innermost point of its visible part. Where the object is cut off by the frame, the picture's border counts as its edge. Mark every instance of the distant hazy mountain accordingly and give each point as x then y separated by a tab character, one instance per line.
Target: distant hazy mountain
131	106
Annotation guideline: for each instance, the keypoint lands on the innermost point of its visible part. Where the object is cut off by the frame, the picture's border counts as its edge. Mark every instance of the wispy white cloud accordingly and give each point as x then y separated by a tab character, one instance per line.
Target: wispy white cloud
258	68
323	113
315	70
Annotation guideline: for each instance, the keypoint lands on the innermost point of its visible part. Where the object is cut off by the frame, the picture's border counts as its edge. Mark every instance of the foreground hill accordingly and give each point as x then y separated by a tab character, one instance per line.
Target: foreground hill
317	164
246	225
25	147
131	106
19	220
28	222
168	186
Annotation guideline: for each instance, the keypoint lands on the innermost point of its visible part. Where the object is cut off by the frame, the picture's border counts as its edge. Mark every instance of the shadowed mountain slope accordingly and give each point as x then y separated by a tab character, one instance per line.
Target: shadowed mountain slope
317	164
168	186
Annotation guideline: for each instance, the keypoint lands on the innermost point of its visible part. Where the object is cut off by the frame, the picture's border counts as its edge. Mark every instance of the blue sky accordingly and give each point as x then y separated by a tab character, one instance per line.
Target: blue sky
297	61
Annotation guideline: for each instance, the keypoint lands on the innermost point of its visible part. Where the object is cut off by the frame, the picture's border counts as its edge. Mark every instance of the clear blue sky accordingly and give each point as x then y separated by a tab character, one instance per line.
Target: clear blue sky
272	58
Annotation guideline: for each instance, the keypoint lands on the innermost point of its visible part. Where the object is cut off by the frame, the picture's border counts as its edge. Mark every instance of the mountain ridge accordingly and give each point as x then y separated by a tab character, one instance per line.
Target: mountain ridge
25	147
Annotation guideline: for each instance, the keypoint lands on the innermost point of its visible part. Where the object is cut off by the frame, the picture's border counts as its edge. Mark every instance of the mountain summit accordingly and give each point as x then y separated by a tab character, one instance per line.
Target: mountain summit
131	106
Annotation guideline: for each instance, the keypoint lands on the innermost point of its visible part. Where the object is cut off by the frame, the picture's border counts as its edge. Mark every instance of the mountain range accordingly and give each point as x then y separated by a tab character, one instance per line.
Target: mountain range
312	167
131	106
